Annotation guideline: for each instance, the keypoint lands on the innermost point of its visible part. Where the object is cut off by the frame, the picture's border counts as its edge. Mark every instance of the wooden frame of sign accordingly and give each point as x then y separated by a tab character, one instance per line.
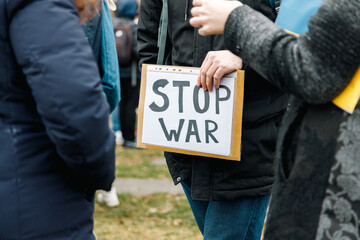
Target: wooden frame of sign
153	89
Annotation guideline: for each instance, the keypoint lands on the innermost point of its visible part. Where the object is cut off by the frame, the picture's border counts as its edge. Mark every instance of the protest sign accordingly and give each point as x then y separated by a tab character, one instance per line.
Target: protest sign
177	116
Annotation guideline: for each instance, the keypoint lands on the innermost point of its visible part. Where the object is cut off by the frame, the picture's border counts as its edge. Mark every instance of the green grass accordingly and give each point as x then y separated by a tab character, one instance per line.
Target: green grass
137	163
144	217
150	217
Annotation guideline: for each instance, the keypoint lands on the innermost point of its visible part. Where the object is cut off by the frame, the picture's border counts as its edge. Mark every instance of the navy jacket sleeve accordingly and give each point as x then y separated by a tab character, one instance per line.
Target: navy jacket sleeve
57	61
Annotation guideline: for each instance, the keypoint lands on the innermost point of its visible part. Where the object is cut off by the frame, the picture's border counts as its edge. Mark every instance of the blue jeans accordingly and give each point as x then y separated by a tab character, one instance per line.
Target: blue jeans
115	119
228	220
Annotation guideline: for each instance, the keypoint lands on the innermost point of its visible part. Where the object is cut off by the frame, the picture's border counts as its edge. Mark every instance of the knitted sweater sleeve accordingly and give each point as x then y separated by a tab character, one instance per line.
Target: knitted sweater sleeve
315	67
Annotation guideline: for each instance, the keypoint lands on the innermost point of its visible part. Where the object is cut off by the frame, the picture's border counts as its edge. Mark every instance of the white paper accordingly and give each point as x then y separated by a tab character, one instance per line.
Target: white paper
154	134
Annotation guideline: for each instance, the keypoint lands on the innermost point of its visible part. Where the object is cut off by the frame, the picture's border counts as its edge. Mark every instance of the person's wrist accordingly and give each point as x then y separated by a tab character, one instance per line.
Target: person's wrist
232	10
232	7
230	28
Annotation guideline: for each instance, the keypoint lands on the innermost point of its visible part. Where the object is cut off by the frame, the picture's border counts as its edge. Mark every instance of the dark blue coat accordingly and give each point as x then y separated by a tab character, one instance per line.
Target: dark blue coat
55	144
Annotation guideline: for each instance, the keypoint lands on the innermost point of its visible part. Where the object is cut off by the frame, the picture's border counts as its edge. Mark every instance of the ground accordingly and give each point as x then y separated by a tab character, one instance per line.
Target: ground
144	213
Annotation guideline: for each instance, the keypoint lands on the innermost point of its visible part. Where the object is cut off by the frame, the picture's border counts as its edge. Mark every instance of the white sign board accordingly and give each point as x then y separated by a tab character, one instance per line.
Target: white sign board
176	115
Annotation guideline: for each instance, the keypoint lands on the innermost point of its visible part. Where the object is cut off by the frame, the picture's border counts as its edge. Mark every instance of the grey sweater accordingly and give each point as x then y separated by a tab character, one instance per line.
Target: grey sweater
314	67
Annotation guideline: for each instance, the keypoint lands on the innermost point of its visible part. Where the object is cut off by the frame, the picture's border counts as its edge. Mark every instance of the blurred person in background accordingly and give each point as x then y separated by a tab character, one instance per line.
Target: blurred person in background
116	126
125	26
99	33
56	147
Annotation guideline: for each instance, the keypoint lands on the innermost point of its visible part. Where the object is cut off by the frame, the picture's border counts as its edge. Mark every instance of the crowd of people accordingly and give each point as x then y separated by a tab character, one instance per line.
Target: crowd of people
62	74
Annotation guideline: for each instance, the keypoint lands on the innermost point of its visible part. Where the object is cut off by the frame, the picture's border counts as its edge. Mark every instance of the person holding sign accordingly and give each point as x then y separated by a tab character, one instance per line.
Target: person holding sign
318	176
228	198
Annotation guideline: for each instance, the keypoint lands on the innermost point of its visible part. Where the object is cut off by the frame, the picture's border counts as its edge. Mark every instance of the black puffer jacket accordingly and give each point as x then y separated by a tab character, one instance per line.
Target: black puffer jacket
215	179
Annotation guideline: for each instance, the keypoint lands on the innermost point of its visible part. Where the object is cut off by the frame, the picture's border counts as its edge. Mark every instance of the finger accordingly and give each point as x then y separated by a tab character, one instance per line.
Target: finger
197	3
198	81
203	31
220	72
196	22
203	80
196	11
204	69
210	74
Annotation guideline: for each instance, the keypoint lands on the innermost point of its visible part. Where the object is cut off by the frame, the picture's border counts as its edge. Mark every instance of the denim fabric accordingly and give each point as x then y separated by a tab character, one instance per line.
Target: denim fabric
231	220
115	119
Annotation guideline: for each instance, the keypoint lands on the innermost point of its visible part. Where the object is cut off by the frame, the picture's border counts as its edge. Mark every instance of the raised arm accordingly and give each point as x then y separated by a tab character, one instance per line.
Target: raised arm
315	67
